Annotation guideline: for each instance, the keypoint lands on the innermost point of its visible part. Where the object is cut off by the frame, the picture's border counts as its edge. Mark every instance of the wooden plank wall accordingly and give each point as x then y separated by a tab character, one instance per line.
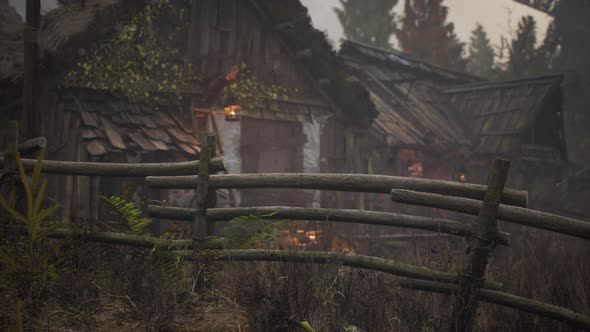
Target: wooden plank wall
231	33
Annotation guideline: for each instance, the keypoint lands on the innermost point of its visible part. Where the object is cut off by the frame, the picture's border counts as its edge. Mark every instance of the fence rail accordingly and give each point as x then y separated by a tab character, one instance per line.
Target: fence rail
140	170
333	215
568	316
514	214
339	182
455	196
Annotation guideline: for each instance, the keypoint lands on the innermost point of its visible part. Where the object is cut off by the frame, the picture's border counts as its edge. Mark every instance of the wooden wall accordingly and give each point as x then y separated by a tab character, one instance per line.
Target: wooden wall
231	32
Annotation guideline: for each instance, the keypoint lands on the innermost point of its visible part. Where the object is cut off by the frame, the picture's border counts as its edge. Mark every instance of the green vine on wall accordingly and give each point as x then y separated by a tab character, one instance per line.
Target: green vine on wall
135	61
249	92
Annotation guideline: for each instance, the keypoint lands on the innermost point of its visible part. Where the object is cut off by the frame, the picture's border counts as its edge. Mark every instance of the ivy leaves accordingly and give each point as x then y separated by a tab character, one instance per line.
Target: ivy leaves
250	92
135	61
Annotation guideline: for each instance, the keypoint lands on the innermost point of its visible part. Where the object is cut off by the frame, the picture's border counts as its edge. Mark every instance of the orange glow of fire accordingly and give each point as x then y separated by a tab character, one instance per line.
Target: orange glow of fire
231	112
310	235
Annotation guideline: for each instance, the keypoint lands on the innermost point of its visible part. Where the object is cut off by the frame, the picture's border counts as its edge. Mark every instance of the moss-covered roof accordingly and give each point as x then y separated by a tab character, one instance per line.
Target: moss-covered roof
293	25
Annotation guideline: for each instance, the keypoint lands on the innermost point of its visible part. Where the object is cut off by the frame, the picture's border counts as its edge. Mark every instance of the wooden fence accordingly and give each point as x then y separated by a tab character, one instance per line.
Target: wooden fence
469	286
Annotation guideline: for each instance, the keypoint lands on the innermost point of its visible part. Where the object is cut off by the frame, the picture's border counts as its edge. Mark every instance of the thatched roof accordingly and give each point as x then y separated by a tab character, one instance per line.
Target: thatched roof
64	29
310	47
11	43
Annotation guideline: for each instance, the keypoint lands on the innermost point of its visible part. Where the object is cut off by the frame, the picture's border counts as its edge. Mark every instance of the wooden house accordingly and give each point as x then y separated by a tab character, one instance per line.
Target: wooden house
273	38
437	123
521	120
414	133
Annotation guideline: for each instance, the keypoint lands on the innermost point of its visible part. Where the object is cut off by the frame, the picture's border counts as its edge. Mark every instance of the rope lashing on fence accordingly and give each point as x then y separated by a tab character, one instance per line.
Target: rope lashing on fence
514	214
321	214
473	271
120	169
568	316
367	183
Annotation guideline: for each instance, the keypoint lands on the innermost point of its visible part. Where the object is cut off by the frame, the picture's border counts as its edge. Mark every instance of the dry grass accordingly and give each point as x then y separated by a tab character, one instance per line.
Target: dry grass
105	288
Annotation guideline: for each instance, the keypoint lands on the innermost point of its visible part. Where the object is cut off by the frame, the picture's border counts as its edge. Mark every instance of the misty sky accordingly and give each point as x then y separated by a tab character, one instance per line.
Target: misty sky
494	15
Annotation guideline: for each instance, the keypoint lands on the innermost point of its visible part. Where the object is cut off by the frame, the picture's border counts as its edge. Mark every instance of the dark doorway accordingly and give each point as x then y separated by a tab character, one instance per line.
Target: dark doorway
270	146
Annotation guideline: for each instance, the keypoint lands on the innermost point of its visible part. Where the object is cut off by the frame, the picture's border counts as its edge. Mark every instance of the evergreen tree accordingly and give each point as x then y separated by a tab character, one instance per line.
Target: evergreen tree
522	51
550	56
525	59
481	53
370	22
426	34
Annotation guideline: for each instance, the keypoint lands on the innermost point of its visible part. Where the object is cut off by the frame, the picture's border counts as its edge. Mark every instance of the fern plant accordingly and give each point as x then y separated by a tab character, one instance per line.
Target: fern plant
126	215
27	265
250	230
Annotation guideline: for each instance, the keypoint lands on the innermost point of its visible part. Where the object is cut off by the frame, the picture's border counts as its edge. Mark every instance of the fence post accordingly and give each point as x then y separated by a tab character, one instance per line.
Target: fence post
482	243
12	136
200	228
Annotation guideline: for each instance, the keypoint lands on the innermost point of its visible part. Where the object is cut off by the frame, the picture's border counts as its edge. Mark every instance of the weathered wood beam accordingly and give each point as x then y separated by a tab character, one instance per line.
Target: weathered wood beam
120	169
33	145
568	316
323	257
339	182
515	214
11	138
333	215
200	226
122	239
480	247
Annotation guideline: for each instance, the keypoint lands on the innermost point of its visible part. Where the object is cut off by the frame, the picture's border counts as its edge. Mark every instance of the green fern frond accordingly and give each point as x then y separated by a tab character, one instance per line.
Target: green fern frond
128	214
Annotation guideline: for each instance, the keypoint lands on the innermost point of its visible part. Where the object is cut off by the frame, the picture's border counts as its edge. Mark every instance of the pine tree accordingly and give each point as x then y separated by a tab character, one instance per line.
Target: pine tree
370	22
426	34
522	51
481	53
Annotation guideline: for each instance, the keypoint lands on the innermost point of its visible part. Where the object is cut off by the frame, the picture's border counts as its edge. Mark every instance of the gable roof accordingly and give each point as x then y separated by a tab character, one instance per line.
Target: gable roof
499	113
412	112
402	62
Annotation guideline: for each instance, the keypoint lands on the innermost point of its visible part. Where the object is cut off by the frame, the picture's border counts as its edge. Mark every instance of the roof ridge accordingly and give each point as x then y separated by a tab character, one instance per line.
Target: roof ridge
409	58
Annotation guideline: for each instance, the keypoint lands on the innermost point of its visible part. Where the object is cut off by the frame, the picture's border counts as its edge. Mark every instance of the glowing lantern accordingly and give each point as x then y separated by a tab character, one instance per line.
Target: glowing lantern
232	112
461	174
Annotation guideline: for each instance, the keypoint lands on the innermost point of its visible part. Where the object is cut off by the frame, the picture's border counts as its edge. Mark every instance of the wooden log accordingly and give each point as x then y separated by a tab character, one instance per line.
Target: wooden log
31	112
480	247
12	136
32	146
517	215
333	215
123	239
120	169
200	227
568	316
323	257
340	182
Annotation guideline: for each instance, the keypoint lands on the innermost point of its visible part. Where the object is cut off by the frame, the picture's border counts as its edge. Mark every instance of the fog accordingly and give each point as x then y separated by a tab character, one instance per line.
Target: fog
499	17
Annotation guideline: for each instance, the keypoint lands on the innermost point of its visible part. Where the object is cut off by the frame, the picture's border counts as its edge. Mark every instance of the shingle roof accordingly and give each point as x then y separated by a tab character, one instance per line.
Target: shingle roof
499	113
412	111
111	124
398	60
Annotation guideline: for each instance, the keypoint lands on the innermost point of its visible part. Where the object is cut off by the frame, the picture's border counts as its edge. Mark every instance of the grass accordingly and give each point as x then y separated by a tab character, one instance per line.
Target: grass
99	287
